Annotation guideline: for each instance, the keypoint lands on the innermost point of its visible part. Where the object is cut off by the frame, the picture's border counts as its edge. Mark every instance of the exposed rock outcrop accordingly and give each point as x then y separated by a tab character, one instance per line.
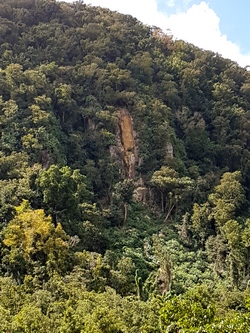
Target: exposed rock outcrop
126	151
140	191
128	146
170	151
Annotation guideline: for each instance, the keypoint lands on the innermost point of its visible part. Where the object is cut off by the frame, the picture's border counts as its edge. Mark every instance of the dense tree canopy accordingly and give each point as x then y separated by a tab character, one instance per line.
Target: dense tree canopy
124	176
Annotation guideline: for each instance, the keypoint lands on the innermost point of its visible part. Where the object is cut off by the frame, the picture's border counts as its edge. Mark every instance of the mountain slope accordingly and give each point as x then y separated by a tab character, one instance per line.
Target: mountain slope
124	174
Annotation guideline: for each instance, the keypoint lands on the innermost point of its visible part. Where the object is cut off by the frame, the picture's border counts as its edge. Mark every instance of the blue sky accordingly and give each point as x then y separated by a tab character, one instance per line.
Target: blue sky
218	25
233	14
234	20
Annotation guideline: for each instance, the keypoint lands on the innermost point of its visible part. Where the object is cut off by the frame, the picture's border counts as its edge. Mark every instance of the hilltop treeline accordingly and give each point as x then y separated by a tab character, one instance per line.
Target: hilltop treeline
124	176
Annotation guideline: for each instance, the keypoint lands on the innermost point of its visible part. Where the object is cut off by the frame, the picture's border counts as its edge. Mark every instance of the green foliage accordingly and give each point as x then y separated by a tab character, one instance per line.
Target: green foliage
187	313
173	188
33	240
227	198
63	190
84	248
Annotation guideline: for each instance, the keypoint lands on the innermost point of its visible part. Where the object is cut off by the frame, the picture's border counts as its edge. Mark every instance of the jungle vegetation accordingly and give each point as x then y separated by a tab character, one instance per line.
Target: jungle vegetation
124	177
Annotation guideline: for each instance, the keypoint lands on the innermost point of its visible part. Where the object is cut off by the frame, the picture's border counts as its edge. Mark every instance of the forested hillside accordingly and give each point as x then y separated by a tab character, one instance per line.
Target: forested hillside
124	177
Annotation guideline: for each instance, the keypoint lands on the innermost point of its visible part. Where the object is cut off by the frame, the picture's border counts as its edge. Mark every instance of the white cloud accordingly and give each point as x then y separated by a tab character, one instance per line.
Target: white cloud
198	25
145	10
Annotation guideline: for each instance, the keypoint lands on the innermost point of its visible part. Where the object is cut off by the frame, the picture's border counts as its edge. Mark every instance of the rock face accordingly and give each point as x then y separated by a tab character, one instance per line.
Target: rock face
170	151
126	152
140	191
127	143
